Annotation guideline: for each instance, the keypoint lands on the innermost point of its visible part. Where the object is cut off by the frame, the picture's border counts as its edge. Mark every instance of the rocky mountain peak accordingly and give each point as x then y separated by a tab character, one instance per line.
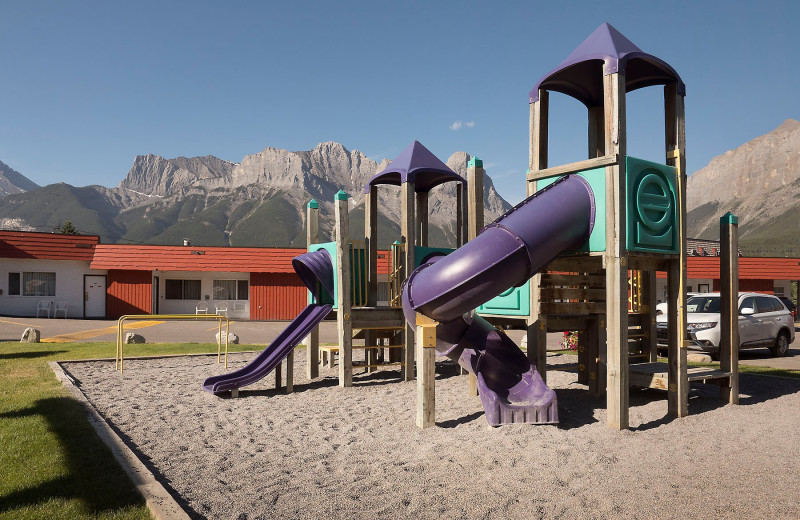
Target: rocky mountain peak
11	181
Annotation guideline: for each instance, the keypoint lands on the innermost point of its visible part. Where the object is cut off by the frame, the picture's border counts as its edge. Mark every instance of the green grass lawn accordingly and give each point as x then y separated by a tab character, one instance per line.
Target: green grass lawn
52	464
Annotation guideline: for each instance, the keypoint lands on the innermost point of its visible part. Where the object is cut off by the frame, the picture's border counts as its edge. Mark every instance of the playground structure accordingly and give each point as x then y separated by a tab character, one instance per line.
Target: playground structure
579	254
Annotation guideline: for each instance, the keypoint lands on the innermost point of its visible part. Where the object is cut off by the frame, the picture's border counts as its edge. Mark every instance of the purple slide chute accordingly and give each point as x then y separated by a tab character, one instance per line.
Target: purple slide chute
506	254
315	269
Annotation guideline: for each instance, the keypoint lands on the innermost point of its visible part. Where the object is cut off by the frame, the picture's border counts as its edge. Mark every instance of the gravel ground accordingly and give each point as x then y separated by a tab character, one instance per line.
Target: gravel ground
330	452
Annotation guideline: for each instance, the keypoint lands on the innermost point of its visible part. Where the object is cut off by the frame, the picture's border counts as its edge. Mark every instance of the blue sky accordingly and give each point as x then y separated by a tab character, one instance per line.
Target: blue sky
87	86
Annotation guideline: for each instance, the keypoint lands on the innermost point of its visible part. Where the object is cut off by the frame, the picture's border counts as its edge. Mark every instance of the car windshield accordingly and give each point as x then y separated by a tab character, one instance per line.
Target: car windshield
703	304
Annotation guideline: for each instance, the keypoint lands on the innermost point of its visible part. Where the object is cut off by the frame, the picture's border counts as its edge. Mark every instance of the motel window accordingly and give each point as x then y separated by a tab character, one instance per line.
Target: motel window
182	289
13	284
32	284
231	290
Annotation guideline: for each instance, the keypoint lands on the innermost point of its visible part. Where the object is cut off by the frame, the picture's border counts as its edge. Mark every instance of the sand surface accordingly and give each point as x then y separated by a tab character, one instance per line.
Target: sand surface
330	452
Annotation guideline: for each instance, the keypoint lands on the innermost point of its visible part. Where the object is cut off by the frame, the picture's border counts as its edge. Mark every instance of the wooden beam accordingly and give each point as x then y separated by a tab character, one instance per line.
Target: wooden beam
421	213
371	243
475	223
580	264
537	322
407	220
426	371
343	300
587	280
574	307
461	236
579	166
647	319
729	289
597	145
617	391
675	144
312	340
558	293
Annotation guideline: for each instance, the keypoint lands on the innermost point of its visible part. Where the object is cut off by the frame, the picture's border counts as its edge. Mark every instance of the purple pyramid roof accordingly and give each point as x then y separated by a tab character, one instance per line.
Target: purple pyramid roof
606	51
418	165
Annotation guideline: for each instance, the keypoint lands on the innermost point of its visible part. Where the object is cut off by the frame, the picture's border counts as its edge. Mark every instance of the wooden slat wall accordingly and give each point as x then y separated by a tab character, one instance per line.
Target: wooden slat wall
276	296
129	292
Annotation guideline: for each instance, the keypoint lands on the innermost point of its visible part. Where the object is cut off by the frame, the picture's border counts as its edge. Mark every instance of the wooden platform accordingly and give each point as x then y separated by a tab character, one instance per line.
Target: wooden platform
654	375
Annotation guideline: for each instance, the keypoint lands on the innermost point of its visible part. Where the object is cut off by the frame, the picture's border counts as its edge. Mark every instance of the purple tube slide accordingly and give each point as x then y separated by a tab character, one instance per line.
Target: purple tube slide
506	254
315	269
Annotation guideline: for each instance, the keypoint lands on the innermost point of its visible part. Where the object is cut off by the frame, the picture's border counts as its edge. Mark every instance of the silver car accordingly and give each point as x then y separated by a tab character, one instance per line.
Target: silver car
763	322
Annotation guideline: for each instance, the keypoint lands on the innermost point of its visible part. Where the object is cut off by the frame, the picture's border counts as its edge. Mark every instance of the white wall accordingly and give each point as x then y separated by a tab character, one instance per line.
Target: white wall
236	309
69	285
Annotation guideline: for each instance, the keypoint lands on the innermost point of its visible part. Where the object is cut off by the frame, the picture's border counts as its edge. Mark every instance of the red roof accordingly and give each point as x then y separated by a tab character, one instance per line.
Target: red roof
749	268
47	246
194	258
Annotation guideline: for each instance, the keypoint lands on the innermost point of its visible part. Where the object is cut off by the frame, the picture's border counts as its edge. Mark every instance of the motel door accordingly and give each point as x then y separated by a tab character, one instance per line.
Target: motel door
94	296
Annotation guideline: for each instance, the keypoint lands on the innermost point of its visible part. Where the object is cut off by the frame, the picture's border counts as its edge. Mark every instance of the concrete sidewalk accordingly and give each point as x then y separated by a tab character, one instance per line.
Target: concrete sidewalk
59	330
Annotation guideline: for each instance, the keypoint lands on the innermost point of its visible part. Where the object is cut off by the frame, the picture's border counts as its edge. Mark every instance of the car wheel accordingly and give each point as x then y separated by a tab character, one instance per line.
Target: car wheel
781	345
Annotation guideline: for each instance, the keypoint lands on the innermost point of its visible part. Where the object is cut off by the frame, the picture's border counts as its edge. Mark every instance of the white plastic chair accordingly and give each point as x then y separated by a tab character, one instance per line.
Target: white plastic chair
60	307
222	309
201	308
43	305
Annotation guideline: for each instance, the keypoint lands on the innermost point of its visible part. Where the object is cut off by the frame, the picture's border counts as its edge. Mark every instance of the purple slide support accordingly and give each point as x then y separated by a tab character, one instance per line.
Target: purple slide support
314	268
506	254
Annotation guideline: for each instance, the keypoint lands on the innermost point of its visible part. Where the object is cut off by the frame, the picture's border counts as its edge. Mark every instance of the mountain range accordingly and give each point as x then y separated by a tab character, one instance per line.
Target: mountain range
260	201
759	182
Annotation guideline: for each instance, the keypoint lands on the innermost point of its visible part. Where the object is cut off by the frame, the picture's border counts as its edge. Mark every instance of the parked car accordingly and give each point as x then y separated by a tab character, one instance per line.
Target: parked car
789	305
661	308
764	321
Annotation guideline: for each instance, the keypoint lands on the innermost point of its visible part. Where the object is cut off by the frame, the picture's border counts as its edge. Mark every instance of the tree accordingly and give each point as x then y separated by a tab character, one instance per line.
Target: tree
66	229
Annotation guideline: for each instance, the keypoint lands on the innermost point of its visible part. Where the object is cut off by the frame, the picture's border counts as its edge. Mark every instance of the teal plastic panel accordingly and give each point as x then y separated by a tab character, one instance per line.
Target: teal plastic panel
652	209
513	302
420	253
596	178
330	247
358	262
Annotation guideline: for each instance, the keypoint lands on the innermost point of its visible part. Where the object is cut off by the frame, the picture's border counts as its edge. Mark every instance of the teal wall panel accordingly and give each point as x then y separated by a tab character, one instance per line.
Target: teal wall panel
516	301
652	207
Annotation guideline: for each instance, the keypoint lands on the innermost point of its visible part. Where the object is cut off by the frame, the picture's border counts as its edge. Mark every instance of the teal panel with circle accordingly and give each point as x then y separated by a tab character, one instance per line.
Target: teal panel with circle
515	301
652	209
596	177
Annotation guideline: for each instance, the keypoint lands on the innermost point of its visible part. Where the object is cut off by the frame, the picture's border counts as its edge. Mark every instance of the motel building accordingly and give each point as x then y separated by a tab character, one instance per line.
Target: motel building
75	276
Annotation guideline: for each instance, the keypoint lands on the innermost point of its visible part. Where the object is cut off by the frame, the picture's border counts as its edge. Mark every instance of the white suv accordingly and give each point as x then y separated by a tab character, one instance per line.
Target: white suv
763	322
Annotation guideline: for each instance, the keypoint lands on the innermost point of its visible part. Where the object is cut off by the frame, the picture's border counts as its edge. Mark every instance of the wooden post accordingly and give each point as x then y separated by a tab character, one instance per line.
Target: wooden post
648	280
426	371
290	372
675	140
371	243
312	340
597	138
461	236
421	214
407	221
537	323
615	258
475	174
729	289
343	283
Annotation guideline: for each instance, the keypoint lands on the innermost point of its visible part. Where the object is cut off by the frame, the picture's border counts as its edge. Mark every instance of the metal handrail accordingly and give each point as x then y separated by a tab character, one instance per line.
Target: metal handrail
119	360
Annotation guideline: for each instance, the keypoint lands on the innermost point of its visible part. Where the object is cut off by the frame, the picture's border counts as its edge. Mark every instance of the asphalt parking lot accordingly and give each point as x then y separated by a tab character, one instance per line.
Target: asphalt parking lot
55	330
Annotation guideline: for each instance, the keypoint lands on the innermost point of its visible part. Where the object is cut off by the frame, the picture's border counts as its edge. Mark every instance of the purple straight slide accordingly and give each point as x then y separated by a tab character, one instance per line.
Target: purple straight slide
315	269
506	254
